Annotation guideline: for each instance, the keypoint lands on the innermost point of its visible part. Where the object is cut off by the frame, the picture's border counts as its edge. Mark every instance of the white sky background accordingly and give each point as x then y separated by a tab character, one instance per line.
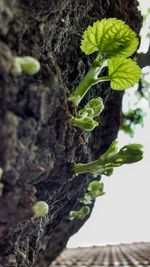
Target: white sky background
122	215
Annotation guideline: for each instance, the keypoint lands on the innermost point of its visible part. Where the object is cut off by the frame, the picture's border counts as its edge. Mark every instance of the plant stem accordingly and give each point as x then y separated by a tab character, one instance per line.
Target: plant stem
97	166
87	167
88	80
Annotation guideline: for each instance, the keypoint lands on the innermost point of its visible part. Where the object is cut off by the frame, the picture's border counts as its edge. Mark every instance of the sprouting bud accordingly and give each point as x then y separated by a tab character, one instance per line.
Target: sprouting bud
28	65
96	105
95	186
95	189
80	214
132	153
86	123
40	209
85	112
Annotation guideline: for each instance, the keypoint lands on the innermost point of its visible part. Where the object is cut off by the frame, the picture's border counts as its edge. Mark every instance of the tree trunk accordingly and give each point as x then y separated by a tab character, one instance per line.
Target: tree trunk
37	145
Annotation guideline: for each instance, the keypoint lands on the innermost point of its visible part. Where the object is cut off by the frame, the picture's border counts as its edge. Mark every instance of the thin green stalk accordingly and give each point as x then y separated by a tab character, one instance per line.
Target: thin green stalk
88	167
89	79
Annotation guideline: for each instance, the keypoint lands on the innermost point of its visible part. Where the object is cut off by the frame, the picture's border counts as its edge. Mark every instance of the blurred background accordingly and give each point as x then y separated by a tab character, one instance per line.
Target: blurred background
122	214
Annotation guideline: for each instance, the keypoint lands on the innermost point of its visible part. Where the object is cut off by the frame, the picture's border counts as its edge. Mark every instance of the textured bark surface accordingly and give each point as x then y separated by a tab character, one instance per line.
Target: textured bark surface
37	145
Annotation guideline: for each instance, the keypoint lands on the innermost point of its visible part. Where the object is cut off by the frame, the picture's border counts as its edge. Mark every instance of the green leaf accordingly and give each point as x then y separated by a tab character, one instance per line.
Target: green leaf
110	37
79	214
123	73
85	123
87	199
95	186
93	108
97	106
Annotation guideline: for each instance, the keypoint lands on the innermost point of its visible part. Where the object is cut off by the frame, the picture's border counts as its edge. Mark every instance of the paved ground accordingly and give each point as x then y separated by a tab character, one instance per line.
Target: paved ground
136	254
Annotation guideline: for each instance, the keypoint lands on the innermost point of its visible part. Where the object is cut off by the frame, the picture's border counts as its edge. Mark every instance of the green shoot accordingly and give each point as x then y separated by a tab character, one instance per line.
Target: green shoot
26	64
114	42
94	190
84	118
79	214
112	158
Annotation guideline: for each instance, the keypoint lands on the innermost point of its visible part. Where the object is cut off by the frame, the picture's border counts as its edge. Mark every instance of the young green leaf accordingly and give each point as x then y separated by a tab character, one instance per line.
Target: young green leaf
93	108
79	214
109	37
95	186
95	189
84	118
96	105
85	123
123	73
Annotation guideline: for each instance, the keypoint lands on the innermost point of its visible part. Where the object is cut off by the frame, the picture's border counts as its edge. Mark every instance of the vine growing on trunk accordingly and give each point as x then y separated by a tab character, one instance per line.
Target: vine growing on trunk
114	42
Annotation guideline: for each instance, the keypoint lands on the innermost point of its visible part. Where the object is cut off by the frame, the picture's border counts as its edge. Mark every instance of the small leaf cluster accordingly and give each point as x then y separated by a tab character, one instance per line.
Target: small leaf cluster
130	119
79	214
94	190
114	42
84	118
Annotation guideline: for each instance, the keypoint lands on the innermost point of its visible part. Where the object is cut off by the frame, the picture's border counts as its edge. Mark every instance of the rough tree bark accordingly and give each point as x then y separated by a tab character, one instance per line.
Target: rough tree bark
37	145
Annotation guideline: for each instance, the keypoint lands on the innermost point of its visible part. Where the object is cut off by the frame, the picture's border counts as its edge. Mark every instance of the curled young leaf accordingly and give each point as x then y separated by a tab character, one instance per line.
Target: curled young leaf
85	112
96	105
79	214
123	73
85	123
109	37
